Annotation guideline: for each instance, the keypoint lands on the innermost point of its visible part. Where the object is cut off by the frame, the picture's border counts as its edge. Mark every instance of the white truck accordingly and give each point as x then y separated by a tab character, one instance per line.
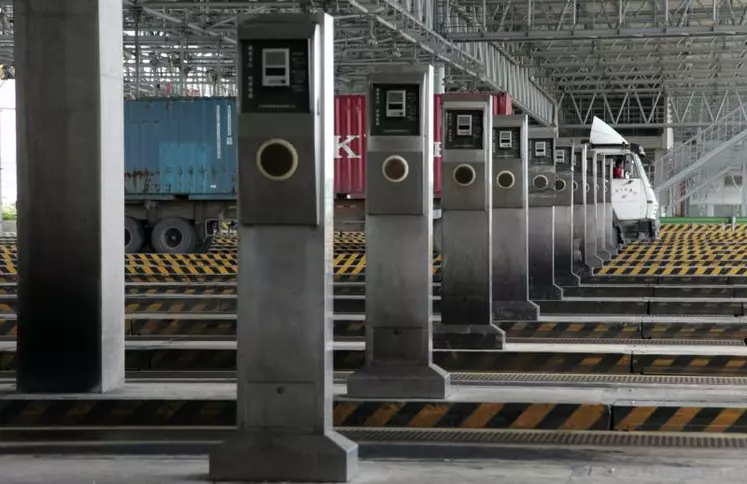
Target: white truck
634	202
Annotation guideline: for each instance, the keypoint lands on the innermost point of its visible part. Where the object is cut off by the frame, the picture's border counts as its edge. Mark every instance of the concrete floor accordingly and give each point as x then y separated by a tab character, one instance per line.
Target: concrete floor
652	467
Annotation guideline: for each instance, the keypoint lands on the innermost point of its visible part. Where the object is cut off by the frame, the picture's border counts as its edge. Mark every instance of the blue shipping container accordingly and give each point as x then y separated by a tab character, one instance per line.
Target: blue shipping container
181	148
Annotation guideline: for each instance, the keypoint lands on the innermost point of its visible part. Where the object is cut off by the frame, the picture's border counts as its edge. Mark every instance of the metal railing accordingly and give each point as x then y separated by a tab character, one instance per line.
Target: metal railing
680	162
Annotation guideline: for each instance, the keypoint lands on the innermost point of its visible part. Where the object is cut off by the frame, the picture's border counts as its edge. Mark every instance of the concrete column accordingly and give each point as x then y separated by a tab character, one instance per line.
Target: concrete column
399	239
70	195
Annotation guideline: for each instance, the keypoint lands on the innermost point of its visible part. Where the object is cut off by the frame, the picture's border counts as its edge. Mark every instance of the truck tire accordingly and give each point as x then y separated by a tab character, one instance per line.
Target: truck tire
173	235
134	236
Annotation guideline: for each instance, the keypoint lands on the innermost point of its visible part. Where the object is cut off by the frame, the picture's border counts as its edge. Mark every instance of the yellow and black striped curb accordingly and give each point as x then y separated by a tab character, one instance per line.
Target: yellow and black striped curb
723	259
356	329
657	364
467	415
344	265
143	359
706	227
370	414
674	263
679	419
46	412
705	331
571	330
682	270
183	306
179	327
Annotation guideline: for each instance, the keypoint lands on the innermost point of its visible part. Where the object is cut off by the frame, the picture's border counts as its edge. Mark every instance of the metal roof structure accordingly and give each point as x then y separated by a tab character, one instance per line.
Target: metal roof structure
637	64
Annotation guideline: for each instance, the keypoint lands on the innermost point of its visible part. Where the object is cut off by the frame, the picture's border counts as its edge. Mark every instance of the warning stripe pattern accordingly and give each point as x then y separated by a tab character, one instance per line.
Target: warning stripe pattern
177	359
45	412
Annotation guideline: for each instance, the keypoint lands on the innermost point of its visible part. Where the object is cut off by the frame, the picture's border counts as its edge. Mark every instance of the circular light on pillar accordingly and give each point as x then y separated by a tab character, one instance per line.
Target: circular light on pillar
575	185
277	159
559	185
395	169
505	179
587	187
464	175
540	182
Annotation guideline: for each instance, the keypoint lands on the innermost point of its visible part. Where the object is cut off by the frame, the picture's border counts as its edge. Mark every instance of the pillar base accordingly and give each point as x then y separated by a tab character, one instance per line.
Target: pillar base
515	311
582	271
399	381
547	293
604	256
567	279
468	336
274	457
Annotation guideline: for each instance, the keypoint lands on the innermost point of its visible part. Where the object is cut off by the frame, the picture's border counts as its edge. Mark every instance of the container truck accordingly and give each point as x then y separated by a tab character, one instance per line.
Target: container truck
180	168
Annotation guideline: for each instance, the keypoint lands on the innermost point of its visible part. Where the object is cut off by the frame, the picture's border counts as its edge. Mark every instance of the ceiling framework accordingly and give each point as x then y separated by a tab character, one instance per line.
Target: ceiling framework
638	64
187	47
633	62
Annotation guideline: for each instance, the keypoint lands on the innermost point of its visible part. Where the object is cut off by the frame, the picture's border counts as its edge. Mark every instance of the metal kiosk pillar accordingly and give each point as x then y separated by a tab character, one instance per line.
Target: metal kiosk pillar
399	239
511	221
286	79
542	199
564	208
580	185
466	273
591	252
601	210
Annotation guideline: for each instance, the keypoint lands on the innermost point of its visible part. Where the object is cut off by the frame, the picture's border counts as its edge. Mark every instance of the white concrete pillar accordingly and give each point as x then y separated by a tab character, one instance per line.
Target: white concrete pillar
70	195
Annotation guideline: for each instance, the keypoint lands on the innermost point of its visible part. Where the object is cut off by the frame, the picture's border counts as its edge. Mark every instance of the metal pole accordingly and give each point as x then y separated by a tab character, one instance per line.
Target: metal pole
743	191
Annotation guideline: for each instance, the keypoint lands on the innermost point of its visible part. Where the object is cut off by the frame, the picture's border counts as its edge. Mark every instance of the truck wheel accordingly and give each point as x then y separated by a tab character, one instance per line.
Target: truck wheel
134	235
173	235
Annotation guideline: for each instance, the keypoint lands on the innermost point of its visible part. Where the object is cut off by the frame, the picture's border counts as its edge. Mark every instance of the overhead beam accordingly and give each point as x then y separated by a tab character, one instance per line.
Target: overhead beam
609	34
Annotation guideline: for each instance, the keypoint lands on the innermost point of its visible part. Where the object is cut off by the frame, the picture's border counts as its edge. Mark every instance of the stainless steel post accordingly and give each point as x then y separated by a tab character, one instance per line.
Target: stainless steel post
542	198
399	239
591	254
511	221
466	271
601	206
285	171
564	211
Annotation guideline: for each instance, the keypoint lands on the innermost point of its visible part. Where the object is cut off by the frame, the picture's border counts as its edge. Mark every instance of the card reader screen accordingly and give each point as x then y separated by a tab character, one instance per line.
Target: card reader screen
395	110
275	76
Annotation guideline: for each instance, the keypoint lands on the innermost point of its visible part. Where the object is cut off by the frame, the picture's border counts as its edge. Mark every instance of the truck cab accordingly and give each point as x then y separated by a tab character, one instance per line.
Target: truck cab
634	202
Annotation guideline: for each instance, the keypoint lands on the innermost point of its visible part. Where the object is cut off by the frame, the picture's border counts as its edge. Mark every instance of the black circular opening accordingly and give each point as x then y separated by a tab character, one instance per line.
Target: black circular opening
395	169
128	237
575	185
505	179
540	182
464	175
559	185
276	160
173	237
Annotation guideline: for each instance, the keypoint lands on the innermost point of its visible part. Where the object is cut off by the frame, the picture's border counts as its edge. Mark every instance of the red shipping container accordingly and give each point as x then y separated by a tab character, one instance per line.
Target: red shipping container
350	135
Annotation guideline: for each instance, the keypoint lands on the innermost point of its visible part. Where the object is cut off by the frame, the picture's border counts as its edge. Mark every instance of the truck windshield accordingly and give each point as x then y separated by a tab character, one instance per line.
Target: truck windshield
633	166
